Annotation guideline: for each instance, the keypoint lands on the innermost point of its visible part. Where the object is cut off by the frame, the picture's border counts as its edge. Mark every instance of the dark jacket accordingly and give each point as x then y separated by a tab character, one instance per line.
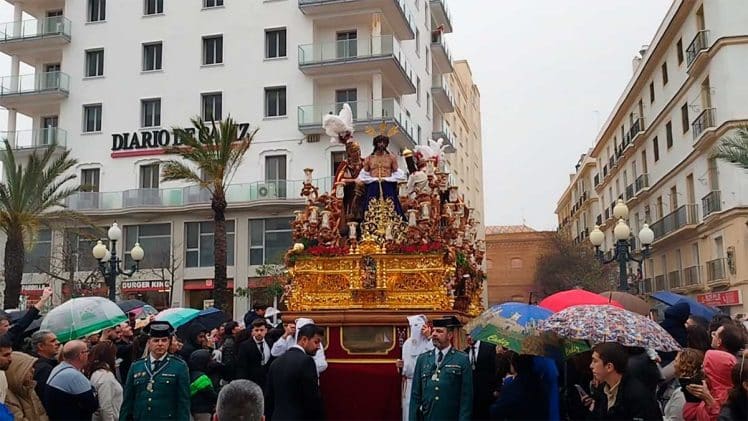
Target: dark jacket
190	342
42	368
292	392
15	333
228	358
524	398
641	367
675	324
734	412
249	363
69	395
203	396
250	317
124	353
485	379
633	401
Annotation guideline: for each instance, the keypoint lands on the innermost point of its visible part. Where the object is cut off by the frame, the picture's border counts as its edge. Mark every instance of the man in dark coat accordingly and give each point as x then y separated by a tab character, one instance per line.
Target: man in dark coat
675	324
257	312
195	339
631	399
482	357
44	346
292	391
253	355
15	332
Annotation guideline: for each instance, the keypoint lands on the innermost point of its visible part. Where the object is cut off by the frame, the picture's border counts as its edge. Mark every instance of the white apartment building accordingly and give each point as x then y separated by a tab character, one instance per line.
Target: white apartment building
113	77
689	89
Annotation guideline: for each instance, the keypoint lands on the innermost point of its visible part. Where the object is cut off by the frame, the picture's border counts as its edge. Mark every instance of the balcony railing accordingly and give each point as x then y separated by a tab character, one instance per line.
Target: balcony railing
660	281
349	50
34	83
191	195
611	162
702	122
441	14
607	214
635	129
674	279
596	179
681	217
35	28
605	171
691	276
699	43
715	270
711	203
642	182
629	191
363	112
32	139
599	220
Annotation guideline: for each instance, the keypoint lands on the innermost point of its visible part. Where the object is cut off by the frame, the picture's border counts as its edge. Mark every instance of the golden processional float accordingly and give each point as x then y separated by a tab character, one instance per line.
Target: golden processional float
381	246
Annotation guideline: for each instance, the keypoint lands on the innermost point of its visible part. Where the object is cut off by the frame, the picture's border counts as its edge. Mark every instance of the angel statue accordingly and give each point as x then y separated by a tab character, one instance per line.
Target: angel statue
381	173
340	129
418	181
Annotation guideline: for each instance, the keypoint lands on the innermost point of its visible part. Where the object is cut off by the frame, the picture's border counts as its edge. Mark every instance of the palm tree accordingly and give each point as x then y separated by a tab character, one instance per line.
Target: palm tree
217	152
734	148
32	195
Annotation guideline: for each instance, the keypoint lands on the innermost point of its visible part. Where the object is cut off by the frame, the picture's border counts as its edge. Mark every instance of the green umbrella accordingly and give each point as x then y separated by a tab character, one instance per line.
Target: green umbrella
178	316
80	317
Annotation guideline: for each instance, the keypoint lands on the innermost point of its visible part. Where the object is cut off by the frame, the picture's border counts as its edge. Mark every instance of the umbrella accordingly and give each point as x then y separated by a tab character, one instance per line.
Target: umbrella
574	297
130	305
81	317
177	316
629	301
515	326
33	327
210	318
605	323
15	316
697	309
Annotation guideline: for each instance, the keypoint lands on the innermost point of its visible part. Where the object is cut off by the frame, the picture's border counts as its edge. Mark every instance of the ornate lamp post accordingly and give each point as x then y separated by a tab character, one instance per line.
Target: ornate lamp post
109	263
623	250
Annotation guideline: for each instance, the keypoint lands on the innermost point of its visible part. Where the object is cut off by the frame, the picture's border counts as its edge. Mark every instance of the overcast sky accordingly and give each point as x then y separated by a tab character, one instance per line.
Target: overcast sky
549	72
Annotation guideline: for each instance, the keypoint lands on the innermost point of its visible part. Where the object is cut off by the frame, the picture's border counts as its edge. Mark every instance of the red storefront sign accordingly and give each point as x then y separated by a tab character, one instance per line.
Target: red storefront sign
721	299
32	290
204	284
139	286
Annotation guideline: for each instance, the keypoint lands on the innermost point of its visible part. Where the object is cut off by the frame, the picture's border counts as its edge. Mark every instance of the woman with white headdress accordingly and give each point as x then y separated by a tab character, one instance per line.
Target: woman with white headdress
418	343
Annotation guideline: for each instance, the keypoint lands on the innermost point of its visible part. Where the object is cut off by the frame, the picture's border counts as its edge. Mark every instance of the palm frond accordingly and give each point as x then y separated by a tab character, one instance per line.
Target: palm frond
734	148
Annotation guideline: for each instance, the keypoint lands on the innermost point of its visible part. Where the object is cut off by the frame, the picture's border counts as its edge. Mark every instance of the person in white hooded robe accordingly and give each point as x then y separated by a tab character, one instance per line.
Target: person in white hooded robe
282	345
418	343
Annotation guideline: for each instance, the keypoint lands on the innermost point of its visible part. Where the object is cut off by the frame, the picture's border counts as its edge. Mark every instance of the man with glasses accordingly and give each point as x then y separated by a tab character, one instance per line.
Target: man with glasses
69	395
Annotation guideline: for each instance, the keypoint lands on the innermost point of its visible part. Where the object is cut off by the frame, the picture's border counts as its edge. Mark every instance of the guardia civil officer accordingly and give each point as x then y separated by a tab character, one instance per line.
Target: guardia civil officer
157	386
443	378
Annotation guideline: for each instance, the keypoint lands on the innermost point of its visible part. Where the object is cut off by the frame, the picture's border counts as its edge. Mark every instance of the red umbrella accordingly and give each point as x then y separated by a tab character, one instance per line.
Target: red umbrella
574	297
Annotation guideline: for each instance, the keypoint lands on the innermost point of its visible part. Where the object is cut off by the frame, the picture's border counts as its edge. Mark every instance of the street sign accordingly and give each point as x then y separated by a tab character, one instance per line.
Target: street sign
721	299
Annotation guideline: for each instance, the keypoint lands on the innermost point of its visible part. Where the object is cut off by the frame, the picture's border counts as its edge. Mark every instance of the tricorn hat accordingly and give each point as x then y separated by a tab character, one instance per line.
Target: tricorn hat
450	322
159	329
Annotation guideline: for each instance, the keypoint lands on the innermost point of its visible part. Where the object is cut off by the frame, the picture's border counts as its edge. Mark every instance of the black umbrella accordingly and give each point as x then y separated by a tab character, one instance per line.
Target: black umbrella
210	318
15	316
130	305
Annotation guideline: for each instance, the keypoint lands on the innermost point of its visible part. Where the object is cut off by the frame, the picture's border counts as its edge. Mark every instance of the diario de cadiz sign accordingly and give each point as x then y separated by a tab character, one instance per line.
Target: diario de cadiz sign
154	141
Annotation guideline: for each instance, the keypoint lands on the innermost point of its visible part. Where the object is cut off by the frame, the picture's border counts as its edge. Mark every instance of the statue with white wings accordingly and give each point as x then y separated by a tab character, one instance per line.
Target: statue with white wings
418	165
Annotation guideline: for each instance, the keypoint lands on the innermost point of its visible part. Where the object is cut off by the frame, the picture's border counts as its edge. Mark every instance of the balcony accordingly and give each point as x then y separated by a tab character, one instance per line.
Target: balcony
684	216
691	276
440	54
660	283
611	162
29	140
34	94
608	214
369	55
596	180
440	15
699	43
629	192
711	203
35	39
261	192
443	98
448	140
674	279
365	113
605	171
395	12
636	129
715	271
599	220
641	183
704	121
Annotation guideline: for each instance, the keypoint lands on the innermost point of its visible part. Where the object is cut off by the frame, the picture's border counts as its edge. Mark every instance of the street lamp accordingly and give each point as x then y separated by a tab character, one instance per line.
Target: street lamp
113	269
623	250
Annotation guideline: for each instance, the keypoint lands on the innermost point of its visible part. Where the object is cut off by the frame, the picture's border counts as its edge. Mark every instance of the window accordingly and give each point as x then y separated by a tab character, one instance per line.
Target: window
275	102
419	134
77	249
679	50
151	112
94	63
664	73
149	176
212	3
275	43
336	158
212	106
152	54
651	92
92	118
96	10
275	177
426	52
428	105
155	239
213	50
200	251
684	117
418	90
669	134
656	149
37	259
153	7
418	42
346	96
269	239
90	180
347	44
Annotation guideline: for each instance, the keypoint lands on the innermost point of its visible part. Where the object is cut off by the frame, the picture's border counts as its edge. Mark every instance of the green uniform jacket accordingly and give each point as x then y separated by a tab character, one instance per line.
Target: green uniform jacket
169	398
446	395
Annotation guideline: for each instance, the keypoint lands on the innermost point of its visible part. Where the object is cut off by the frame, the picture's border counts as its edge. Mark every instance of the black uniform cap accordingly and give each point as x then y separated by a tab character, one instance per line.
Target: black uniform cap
449	322
159	329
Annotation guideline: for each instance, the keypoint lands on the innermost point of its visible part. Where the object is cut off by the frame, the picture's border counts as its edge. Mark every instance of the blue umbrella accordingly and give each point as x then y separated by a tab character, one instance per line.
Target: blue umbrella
697	309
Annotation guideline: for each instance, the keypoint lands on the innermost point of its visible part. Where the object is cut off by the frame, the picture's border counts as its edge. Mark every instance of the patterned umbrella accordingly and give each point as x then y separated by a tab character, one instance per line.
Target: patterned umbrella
81	317
574	297
178	316
604	323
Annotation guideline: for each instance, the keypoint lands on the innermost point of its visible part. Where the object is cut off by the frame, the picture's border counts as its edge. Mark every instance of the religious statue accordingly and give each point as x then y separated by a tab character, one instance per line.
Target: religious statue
380	173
